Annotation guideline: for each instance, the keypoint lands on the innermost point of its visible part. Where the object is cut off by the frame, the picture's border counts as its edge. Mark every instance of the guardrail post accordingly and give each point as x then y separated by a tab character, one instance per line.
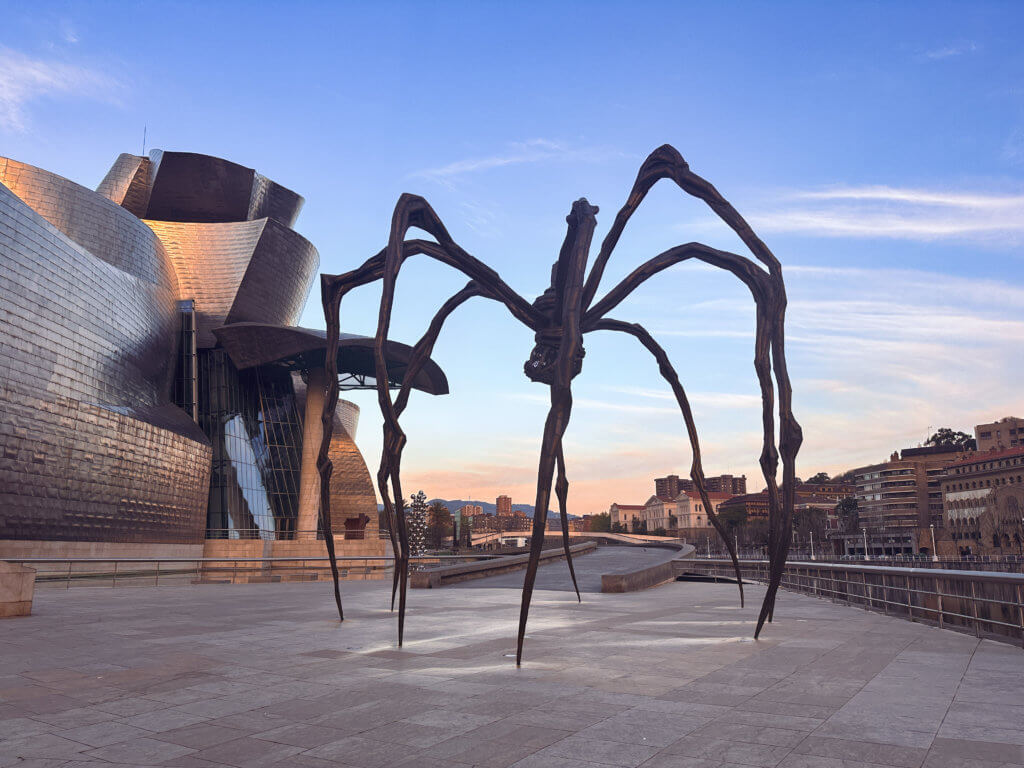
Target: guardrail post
67	584
974	612
113	581
885	596
938	593
1020	609
910	601
157	582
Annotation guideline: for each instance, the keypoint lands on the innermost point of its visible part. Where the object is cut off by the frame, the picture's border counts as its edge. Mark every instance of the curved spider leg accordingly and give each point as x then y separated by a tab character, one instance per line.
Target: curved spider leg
413	211
391	457
554	427
571	264
666	162
696	469
562	492
333	289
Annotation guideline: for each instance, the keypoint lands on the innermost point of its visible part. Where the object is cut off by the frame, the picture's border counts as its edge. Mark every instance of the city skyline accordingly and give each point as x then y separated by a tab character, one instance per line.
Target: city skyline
883	165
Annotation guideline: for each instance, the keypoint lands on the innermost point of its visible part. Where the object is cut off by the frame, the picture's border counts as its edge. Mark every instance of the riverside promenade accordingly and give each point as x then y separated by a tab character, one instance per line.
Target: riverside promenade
263	675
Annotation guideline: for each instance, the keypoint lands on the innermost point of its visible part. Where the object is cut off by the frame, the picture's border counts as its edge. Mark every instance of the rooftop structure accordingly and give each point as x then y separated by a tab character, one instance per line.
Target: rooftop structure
1000	435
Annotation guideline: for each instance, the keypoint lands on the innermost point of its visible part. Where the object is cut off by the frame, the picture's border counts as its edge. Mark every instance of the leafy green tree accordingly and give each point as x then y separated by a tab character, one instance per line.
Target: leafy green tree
660	532
439	525
946	437
618	528
733	518
601	522
848	514
818	479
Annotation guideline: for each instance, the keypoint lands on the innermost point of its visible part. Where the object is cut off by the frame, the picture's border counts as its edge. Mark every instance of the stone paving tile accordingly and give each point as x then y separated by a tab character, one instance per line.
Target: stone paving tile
199	677
708	747
248	752
591	749
140	751
198	736
102	734
863	751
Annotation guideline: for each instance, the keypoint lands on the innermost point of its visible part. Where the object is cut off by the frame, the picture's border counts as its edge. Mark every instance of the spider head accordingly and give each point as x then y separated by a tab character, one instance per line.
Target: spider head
544	357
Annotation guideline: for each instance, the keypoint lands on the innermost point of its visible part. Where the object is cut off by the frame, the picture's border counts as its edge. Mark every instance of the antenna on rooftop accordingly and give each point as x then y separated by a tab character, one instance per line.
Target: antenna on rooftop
144	140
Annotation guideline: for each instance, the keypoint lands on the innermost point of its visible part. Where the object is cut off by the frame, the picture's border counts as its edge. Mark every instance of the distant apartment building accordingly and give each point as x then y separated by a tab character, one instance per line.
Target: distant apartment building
625	514
832	490
580	524
471	510
693	515
899	499
671	486
1002	435
754	504
661	513
504	505
983	502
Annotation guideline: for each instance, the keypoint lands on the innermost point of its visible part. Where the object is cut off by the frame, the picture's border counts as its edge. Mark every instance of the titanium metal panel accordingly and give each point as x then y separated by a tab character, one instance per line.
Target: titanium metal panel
90	447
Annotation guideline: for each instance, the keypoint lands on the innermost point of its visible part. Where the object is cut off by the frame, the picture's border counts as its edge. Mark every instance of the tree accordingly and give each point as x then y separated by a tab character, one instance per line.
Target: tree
947	438
618	528
601	522
673	521
660	532
639	526
417	522
439	524
848	514
808	521
818	479
733	518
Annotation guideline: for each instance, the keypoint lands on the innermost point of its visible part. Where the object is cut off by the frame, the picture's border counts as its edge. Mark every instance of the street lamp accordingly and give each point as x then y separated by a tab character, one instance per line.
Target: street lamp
864	531
935	555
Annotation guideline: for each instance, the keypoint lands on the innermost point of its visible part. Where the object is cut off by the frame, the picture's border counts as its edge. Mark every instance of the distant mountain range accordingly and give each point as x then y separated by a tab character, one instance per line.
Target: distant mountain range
489	507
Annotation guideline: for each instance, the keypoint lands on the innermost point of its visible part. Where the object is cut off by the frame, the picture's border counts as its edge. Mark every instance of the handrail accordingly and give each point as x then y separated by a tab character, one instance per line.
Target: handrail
995	576
989	603
281	558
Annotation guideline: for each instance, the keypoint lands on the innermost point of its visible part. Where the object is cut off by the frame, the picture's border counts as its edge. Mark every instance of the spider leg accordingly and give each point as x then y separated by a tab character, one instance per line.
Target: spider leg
411	211
770	295
554	427
562	492
666	163
696	469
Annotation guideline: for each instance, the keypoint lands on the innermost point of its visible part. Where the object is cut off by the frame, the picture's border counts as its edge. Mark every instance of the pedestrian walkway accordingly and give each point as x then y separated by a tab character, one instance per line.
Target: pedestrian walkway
263	675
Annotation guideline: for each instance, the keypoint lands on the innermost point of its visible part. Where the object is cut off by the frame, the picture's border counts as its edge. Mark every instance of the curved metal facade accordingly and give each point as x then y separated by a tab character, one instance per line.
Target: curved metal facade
91	449
108	305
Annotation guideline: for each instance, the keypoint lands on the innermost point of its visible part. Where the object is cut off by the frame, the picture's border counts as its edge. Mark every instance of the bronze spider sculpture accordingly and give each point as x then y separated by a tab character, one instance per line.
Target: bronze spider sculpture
559	318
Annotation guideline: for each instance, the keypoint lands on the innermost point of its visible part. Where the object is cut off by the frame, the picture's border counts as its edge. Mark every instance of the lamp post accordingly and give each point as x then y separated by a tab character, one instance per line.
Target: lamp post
812	545
864	532
935	555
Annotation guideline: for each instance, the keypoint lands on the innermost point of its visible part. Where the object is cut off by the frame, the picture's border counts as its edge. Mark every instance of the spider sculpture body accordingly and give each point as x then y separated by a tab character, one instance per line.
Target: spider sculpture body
559	319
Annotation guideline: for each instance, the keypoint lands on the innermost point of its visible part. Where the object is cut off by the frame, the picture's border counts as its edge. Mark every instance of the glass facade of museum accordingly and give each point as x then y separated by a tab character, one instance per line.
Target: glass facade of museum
253	421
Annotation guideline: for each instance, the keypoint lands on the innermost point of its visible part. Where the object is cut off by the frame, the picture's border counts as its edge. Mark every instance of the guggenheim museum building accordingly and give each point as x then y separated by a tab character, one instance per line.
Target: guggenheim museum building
157	398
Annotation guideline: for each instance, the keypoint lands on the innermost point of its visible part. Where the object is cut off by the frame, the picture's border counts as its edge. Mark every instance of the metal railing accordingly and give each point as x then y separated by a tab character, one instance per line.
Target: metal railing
986	603
127	571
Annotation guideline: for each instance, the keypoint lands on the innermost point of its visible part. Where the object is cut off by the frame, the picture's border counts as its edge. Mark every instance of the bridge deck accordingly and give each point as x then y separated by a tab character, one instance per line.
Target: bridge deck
261	675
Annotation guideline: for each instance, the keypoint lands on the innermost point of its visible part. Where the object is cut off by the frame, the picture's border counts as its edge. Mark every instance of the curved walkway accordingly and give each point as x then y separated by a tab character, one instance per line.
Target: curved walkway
589	568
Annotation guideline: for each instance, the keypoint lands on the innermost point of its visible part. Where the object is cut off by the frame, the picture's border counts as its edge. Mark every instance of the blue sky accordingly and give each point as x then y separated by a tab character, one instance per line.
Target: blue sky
878	148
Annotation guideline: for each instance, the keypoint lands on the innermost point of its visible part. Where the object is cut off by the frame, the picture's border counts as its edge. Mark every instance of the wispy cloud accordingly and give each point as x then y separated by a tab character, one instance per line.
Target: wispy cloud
949	51
517	153
24	79
900	213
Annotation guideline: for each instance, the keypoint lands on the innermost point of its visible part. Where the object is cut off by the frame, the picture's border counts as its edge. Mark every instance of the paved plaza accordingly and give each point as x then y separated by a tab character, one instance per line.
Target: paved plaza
262	675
